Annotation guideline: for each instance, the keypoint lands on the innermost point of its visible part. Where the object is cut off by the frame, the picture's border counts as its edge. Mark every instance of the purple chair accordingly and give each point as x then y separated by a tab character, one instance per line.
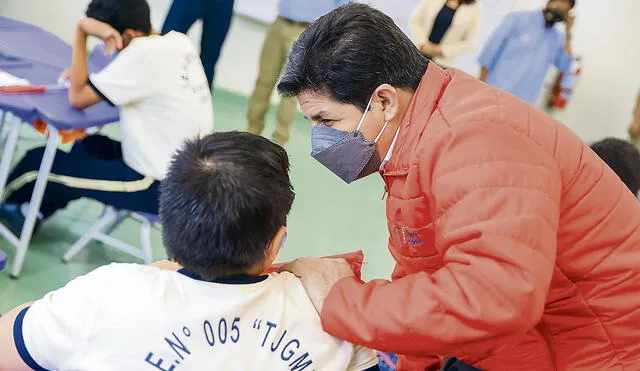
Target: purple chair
108	222
3	259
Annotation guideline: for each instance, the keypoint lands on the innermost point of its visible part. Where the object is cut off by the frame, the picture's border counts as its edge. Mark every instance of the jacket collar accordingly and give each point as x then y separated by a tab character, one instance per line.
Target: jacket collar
422	105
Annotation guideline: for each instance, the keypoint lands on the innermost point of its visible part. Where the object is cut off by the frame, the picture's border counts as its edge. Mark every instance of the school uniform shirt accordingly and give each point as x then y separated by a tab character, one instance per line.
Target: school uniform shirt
520	52
164	98
136	317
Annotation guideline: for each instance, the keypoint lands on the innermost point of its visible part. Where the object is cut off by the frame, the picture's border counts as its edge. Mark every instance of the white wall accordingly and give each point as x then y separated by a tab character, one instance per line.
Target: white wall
604	34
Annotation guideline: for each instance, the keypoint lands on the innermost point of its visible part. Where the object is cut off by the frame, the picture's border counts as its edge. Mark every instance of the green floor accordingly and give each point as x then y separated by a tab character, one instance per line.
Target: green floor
328	217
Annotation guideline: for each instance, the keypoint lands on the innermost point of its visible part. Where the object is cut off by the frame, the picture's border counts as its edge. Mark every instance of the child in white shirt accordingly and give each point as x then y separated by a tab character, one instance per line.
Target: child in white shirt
224	206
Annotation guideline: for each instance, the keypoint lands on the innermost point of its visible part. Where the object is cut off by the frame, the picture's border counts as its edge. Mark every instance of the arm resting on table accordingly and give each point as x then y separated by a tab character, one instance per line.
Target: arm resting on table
81	95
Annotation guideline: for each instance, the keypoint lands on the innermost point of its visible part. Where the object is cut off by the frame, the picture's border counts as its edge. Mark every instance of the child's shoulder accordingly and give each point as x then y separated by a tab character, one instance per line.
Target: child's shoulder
161	44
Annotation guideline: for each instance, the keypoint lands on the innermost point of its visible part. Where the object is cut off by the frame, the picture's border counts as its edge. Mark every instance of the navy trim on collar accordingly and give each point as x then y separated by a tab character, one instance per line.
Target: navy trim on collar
238	279
21	347
100	94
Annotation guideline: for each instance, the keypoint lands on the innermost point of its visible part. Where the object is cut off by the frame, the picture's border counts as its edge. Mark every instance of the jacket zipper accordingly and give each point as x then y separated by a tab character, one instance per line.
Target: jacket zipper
386	187
547	342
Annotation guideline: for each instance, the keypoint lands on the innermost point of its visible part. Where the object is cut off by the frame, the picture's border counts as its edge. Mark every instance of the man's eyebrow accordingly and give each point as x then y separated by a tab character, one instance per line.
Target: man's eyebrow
318	116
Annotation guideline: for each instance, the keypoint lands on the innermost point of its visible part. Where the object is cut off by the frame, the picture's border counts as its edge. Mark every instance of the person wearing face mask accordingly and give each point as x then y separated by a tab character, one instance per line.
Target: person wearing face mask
516	246
517	56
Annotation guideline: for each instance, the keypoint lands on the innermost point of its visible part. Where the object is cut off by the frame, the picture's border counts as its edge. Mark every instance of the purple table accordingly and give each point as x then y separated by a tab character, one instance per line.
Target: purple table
30	52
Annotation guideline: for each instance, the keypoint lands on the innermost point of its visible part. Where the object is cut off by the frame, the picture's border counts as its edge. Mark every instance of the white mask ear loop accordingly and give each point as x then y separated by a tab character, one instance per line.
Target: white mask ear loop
364	115
382	131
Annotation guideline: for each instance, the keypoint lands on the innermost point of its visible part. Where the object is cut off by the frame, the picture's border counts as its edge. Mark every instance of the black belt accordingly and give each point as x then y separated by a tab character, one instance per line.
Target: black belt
294	23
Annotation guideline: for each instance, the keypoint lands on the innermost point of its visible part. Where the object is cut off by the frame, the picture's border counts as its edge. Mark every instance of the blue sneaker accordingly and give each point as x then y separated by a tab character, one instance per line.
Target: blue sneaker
12	218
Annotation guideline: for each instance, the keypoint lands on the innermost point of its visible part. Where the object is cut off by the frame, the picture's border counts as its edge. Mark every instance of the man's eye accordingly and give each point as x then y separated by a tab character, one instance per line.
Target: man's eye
326	122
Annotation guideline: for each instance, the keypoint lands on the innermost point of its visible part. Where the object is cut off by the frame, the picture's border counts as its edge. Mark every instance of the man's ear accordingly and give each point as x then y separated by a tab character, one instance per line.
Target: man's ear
388	96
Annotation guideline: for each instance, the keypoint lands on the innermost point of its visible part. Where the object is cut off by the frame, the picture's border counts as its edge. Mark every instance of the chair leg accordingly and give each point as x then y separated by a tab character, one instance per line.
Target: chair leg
122	216
108	218
145	242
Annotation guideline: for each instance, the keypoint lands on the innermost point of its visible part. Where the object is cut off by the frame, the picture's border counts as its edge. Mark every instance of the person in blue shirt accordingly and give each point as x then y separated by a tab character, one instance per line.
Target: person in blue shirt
293	17
517	57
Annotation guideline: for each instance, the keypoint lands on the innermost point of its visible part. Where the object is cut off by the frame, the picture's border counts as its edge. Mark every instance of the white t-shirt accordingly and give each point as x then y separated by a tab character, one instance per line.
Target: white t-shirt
164	98
135	317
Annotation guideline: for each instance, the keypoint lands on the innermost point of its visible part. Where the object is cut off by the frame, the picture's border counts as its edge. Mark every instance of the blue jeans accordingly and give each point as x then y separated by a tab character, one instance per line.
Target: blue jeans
216	20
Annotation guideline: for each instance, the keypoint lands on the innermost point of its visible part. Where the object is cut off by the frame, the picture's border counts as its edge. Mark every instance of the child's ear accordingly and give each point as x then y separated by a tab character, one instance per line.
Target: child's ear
127	36
276	244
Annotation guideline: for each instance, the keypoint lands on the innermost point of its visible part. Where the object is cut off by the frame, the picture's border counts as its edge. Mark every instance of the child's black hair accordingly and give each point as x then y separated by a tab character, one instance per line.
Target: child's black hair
623	158
122	14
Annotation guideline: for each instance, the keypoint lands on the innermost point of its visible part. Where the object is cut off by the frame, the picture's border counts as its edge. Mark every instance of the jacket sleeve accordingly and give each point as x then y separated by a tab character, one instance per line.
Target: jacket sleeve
495	196
416	24
469	37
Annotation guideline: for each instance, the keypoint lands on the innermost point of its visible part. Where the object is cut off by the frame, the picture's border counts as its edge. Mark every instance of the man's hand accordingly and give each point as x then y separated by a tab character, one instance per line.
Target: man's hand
318	275
484	72
569	20
431	50
109	35
65	75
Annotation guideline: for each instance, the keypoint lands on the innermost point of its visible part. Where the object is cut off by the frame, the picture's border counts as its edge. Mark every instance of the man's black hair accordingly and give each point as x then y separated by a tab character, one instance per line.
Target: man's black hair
122	14
623	158
572	2
348	53
223	201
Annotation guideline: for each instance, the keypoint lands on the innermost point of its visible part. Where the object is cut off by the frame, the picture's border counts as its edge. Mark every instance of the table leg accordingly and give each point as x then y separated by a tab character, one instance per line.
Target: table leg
7	155
36	201
2	122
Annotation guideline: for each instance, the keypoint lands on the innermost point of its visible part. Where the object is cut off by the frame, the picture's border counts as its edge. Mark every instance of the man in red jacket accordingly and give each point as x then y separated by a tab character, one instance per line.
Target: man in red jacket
516	246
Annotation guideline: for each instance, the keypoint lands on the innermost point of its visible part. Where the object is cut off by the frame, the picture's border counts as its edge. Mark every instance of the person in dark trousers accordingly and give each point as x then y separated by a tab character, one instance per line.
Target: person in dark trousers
216	20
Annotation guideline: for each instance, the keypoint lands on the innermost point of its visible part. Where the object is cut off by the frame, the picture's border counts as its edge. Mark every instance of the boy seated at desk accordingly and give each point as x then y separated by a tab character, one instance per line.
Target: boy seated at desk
217	311
164	98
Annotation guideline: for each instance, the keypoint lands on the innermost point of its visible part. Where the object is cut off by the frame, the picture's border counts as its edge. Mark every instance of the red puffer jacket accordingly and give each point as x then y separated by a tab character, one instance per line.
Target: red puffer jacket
516	247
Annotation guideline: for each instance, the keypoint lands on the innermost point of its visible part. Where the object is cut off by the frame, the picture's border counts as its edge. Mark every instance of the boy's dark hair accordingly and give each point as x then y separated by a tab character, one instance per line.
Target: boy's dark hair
223	201
122	14
348	53
623	158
